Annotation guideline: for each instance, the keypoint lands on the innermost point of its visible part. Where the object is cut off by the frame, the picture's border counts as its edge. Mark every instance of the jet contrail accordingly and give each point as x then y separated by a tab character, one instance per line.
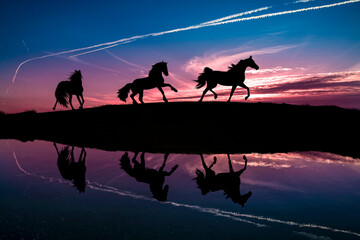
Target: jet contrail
235	15
126	40
215	22
27	49
283	13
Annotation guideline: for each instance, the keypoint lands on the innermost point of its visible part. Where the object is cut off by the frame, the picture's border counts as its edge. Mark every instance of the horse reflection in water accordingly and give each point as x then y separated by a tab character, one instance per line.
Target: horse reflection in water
71	170
228	182
153	177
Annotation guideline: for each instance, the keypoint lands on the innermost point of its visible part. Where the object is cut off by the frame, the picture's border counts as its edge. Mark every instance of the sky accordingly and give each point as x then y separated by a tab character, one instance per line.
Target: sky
308	51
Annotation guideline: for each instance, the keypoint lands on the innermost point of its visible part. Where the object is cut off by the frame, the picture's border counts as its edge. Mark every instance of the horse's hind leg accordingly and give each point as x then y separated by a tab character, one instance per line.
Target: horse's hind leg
132	97
204	92
55	104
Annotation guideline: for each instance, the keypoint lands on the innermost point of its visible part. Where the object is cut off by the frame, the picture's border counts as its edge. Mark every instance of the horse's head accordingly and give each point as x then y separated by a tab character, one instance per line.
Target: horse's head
76	76
164	68
251	63
242	199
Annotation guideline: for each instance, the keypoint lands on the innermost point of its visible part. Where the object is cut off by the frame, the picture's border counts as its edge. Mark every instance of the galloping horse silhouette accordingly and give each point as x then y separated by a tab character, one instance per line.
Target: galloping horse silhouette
155	79
234	77
154	178
71	170
229	182
65	90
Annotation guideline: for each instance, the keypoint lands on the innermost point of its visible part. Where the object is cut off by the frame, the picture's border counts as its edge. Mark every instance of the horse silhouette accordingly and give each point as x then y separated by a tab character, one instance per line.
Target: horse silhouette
65	90
154	80
228	182
234	77
154	178
71	170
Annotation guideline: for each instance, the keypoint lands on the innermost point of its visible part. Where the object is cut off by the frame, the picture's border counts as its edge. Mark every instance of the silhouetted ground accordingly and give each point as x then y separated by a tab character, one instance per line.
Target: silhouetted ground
210	127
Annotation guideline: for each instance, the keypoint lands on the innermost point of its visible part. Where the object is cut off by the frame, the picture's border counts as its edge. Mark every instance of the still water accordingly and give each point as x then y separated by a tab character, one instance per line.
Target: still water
114	195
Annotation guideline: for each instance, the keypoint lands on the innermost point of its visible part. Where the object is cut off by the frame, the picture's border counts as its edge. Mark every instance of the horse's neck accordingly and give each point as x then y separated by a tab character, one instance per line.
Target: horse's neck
156	75
242	68
77	82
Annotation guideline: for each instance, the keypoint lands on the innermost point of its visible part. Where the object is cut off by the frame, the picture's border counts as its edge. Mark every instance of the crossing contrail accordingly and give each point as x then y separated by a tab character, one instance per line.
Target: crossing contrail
216	22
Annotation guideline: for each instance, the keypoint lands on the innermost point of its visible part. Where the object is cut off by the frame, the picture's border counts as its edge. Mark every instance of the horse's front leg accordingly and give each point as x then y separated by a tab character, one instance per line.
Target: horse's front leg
82	98
215	95
169	85
70	101
162	92
246	87
78	98
141	93
231	93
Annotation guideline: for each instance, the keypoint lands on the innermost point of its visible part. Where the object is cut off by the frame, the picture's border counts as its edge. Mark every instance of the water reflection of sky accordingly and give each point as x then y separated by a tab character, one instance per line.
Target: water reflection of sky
301	195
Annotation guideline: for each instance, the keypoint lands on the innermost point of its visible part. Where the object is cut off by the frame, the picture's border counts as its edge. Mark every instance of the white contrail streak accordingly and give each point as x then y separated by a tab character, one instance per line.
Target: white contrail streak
284	13
98	49
235	15
215	22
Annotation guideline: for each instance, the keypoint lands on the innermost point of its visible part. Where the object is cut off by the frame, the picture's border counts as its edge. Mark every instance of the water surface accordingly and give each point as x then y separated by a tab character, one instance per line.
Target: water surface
298	195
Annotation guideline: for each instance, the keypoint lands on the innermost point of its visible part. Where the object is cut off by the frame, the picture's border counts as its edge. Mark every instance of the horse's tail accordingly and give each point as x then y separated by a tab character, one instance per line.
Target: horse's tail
61	93
201	81
124	92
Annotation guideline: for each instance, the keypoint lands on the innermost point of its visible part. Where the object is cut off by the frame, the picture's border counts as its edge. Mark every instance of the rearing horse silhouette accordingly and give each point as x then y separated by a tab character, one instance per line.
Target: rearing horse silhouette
229	182
65	90
155	79
154	178
234	77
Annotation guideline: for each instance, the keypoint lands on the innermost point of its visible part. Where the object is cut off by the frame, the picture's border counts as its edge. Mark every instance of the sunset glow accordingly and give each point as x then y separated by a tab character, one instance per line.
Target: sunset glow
308	51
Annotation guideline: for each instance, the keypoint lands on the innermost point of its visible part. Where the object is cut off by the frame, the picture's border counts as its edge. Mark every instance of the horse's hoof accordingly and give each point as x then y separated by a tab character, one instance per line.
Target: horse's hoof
215	96
175	90
246	97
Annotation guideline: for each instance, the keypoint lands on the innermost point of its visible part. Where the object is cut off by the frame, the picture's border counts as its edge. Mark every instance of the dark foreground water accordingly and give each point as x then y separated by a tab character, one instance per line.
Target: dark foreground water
299	195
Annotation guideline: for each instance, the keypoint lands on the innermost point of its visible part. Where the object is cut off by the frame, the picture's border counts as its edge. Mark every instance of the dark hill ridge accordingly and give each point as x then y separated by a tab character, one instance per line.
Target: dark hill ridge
188	127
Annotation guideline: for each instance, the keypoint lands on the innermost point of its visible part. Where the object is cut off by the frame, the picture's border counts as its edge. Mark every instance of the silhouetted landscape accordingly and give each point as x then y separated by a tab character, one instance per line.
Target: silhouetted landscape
184	127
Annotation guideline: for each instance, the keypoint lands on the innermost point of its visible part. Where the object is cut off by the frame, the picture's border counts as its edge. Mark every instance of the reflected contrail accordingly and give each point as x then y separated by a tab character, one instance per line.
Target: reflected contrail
214	211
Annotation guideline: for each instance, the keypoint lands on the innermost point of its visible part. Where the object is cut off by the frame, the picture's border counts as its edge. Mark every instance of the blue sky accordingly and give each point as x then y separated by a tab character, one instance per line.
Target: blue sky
318	41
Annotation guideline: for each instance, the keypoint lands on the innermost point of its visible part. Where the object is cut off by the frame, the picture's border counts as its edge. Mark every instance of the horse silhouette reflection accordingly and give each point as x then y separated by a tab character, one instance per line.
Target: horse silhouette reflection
71	170
228	182
155	178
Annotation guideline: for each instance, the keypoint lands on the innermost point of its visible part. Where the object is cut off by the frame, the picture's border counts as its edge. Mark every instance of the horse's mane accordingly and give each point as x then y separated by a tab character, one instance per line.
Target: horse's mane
156	67
75	77
235	67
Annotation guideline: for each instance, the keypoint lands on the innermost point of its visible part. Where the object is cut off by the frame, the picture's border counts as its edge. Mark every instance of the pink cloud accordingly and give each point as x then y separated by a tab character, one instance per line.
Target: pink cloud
221	60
